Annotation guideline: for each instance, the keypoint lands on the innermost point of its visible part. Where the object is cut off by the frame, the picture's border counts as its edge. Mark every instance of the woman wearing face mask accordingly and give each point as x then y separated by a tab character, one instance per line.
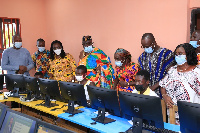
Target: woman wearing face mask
98	64
81	73
182	81
61	65
125	71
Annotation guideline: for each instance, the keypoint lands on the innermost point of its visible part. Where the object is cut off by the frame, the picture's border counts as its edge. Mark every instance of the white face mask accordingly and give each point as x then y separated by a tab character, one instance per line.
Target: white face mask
41	49
18	44
57	51
79	78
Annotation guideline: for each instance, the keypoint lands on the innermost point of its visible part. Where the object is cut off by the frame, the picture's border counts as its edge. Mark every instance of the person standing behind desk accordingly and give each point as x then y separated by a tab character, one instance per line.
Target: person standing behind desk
81	73
125	71
142	84
41	58
195	42
155	60
99	67
17	58
61	65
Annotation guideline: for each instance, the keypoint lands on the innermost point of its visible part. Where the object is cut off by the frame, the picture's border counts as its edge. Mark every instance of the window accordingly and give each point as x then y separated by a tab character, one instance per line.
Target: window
8	28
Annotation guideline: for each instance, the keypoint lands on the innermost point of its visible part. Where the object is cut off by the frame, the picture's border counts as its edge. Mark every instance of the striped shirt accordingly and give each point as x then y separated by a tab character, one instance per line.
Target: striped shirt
157	65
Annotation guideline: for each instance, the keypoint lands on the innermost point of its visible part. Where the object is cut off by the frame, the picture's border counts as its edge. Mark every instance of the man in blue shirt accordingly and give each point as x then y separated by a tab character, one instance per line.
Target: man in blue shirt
17	59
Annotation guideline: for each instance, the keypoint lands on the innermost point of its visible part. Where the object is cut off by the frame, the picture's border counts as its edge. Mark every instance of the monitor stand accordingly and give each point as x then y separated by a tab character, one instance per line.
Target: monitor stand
71	109
15	93
47	103
137	126
101	117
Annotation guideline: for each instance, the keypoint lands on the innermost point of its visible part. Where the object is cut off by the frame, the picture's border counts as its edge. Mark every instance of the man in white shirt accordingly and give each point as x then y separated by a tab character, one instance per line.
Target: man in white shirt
142	84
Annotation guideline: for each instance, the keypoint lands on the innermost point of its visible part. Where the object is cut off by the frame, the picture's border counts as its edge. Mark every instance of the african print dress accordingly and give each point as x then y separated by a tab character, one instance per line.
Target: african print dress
63	69
198	58
105	79
41	62
127	74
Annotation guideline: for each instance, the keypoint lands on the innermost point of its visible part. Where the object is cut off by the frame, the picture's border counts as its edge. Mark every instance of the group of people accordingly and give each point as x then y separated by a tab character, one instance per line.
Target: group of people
159	71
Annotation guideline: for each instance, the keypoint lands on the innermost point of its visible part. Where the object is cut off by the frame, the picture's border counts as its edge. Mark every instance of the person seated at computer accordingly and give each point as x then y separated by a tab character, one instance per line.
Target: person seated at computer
98	64
61	65
41	58
142	84
81	74
125	71
38	75
17	58
182	81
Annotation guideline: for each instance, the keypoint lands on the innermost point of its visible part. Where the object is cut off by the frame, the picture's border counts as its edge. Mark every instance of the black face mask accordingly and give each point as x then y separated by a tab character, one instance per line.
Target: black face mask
139	88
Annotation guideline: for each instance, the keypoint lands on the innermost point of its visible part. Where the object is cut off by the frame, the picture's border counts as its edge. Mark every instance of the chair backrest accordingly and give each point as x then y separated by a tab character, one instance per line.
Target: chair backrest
164	113
172	119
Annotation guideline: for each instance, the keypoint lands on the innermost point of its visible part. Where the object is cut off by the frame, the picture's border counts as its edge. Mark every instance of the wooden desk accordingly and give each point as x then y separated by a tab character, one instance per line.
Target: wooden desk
47	115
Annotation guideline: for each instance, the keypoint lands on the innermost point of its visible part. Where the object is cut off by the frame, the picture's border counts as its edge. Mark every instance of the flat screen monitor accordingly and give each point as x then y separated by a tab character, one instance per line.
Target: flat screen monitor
14	80
43	127
32	86
74	92
1	81
50	89
146	108
189	117
104	98
18	122
2	113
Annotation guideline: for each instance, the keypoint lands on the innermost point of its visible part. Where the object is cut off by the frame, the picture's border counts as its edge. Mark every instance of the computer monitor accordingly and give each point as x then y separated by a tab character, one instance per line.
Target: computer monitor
1	81
15	121
44	127
32	86
2	113
142	108
49	88
104	98
15	83
189	117
74	92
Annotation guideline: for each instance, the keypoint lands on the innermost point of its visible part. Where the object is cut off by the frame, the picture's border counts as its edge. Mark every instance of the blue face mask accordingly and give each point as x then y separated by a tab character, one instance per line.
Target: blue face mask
118	63
194	44
148	50
88	49
41	49
180	59
18	44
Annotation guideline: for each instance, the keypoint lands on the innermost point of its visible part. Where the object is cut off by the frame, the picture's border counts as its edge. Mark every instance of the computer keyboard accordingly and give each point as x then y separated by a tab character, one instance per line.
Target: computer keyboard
151	129
157	130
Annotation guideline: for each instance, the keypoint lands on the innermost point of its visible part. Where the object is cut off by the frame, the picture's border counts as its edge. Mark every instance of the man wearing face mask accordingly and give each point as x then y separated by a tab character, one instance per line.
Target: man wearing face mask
156	60
195	42
41	58
142	84
81	73
17	58
98	64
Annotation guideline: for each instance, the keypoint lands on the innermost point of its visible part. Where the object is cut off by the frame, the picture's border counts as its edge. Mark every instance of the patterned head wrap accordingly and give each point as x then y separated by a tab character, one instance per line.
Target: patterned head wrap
123	53
86	38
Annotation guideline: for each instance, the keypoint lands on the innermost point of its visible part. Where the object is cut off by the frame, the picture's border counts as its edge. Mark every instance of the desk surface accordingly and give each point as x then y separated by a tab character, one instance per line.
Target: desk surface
84	118
41	108
120	125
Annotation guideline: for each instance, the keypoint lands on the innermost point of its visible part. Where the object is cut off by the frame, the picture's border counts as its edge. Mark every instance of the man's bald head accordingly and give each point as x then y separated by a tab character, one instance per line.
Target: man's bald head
149	36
